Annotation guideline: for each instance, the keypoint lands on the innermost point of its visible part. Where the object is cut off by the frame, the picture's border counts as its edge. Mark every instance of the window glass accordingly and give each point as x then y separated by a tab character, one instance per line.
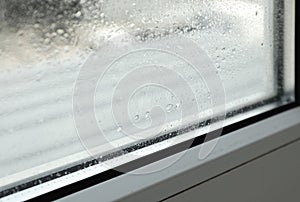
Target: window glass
82	74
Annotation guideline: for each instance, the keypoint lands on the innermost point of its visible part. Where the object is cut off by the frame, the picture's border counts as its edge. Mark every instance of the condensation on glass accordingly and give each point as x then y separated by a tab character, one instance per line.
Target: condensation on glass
45	44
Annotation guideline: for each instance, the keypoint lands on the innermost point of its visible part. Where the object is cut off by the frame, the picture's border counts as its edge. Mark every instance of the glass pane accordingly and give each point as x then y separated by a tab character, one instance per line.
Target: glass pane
82	74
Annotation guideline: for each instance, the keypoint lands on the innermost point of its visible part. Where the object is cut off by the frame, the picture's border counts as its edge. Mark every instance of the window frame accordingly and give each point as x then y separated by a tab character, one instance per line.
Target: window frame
262	138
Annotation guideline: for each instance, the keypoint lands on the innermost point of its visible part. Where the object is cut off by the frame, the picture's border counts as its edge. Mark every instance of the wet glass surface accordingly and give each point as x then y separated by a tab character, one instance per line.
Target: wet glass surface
45	45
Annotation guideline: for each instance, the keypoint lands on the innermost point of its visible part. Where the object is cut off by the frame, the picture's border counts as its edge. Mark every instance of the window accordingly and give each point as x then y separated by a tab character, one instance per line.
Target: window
94	81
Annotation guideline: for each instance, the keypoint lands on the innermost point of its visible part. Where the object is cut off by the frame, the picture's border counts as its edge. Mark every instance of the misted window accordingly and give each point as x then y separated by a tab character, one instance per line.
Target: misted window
100	79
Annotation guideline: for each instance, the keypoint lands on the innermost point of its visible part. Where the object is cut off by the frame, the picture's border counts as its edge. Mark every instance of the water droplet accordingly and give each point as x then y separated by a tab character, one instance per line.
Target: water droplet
119	129
169	107
60	31
180	47
177	106
147	115
137	117
78	14
132	25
